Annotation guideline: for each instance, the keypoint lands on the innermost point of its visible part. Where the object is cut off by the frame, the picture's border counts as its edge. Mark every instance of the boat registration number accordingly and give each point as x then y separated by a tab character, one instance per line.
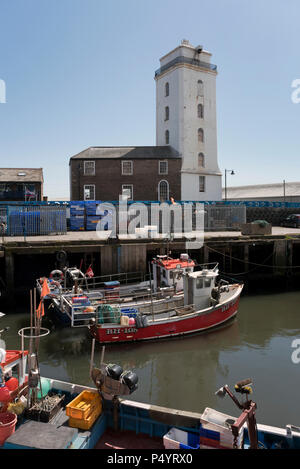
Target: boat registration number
118	331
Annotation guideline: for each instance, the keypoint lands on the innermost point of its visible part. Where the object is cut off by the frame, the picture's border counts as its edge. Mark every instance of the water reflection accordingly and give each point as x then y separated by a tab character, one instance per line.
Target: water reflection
185	373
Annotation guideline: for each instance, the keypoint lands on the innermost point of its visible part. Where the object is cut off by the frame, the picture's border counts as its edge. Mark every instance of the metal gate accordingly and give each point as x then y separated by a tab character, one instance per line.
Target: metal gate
34	220
224	218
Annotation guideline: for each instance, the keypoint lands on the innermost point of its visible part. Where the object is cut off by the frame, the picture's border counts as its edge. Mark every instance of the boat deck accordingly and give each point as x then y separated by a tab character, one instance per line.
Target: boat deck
127	439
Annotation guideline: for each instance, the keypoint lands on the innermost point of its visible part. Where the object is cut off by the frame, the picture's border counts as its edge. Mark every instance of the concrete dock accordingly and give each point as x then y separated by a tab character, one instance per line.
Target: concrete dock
24	260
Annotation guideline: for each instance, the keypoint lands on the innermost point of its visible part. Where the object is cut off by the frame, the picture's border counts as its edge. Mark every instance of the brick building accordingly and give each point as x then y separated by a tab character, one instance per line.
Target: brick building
21	184
142	173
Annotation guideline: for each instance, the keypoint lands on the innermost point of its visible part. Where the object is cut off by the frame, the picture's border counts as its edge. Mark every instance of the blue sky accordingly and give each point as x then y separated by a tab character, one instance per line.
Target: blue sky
81	72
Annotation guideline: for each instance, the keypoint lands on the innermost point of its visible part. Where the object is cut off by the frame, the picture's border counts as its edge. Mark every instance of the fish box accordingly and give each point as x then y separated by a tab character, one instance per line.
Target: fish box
178	439
216	430
84	424
84	405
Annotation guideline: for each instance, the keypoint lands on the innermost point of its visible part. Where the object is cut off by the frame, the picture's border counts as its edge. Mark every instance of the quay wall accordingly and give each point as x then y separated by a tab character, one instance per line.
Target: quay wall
256	260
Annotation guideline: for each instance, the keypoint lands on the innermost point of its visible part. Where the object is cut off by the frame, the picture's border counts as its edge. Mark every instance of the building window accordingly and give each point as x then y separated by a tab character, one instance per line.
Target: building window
89	192
200	88
167	113
201	183
200	111
127	190
201	160
127	168
163	190
89	168
167	89
200	135
163	167
167	137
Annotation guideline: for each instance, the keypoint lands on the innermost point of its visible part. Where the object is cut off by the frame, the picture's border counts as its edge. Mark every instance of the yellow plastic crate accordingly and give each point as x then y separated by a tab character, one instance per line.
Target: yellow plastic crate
85	424
87	403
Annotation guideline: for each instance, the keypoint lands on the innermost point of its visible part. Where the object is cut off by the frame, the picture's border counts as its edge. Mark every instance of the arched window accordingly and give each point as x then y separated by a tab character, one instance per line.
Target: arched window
200	111
201	161
167	137
200	135
200	88
167	112
163	190
167	89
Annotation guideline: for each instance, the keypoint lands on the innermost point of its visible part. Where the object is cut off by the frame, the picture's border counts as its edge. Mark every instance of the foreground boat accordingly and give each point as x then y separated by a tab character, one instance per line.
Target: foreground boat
44	413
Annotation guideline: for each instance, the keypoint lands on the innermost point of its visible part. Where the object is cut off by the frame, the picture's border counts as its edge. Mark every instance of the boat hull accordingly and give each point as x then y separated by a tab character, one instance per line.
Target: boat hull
201	322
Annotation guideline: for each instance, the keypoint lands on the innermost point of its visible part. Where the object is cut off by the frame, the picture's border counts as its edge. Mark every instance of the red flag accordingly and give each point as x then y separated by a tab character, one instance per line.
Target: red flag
45	289
40	311
89	273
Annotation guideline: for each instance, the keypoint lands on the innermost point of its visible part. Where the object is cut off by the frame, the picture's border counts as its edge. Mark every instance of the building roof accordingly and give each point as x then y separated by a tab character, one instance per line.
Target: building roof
155	152
21	175
263	190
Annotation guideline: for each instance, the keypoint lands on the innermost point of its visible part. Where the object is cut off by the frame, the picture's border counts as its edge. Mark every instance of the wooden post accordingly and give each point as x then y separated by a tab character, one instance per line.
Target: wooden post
9	271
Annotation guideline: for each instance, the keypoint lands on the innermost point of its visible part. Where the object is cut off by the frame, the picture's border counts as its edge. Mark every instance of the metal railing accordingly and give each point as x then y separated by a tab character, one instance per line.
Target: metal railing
186	60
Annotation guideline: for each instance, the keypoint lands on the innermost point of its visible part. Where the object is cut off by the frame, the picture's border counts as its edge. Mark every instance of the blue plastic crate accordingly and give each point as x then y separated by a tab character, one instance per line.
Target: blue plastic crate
77	223
130	312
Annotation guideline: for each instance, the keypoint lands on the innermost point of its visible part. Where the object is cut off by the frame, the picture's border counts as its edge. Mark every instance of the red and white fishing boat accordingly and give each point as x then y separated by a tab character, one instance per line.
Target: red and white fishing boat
207	304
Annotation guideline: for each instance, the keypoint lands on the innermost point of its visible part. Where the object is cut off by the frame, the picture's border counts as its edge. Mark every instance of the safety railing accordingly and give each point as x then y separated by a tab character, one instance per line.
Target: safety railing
185	60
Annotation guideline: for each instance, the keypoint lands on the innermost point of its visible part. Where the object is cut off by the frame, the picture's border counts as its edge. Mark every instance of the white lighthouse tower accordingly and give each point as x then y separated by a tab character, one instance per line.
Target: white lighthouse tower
186	118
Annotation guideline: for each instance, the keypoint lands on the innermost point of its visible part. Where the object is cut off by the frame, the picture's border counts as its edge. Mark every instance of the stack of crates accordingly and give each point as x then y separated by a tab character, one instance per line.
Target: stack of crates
84	410
112	290
77	215
94	215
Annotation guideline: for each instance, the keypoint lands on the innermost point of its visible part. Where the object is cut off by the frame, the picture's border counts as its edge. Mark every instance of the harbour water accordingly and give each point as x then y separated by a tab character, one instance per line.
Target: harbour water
185	373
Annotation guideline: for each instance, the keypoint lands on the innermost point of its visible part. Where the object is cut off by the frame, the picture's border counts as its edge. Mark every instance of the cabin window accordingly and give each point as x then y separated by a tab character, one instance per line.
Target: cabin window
207	282
199	283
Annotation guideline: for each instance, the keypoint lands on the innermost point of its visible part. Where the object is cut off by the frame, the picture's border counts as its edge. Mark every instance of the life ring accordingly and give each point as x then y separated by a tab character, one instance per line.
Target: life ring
57	275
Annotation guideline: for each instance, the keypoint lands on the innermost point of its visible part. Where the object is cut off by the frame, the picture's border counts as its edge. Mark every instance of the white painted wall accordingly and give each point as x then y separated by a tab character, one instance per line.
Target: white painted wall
184	122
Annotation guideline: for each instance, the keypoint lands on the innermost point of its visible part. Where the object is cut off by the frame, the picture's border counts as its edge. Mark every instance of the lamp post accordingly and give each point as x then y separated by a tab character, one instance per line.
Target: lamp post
231	171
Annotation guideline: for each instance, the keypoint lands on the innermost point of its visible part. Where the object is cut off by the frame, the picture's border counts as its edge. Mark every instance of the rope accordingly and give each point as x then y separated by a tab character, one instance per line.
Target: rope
254	263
